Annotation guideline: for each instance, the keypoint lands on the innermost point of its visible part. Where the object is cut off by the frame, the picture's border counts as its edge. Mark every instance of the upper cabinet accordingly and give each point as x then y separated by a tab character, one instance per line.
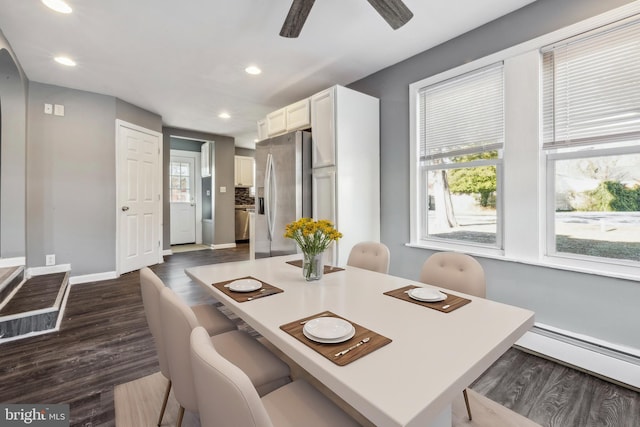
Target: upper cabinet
263	132
292	117
323	128
277	122
243	171
298	115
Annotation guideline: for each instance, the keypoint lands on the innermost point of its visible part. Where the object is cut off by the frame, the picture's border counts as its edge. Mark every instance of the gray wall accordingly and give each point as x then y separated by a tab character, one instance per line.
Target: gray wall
567	300
71	183
138	116
223	176
13	100
247	152
71	180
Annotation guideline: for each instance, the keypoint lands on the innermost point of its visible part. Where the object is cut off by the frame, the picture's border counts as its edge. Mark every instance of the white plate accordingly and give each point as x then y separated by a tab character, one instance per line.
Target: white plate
331	341
327	328
245	285
427	295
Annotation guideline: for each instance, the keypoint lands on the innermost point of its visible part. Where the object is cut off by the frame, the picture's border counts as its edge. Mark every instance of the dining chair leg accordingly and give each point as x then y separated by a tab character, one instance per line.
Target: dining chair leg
180	415
164	402
466	402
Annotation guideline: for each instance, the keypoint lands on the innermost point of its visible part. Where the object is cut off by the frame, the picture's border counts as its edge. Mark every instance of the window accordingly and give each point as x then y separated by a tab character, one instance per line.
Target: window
591	142
179	182
461	135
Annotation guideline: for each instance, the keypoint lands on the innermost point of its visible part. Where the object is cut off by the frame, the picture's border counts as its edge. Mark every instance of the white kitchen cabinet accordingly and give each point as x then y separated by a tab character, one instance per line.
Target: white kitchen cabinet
277	122
323	182
346	166
205	159
243	171
292	117
263	132
323	128
298	115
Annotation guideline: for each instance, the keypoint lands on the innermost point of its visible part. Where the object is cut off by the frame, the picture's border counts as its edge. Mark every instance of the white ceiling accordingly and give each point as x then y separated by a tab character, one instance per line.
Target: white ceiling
185	60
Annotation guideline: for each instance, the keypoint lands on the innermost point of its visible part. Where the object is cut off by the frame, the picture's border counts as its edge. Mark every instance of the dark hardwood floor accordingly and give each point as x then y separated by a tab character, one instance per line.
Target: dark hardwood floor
104	340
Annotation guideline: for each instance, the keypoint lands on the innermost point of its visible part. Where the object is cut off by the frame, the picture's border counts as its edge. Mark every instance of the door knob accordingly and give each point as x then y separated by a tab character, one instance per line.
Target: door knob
125	208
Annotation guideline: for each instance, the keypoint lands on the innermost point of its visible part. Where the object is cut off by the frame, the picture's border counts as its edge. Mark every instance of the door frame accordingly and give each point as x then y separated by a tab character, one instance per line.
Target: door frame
159	225
197	187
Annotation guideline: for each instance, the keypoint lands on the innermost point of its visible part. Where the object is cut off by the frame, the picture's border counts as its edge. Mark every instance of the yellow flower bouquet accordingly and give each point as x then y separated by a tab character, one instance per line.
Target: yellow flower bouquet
313	238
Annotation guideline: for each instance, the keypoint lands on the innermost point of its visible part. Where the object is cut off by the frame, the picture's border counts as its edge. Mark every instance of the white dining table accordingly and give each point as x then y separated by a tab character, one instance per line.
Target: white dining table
411	381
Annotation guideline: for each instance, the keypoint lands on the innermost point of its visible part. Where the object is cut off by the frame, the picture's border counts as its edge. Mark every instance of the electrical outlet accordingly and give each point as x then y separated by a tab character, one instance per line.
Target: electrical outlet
50	259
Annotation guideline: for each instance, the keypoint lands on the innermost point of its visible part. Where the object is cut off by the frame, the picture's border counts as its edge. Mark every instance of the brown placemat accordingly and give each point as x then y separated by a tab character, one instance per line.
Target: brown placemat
329	350
327	268
453	302
266	289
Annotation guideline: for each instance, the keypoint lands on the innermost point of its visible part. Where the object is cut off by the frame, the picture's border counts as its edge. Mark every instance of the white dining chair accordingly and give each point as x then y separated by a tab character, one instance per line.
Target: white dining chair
458	272
227	398
265	370
209	317
372	256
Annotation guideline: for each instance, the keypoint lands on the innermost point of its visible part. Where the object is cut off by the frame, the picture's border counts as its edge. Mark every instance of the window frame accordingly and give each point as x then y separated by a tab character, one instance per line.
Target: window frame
418	226
534	215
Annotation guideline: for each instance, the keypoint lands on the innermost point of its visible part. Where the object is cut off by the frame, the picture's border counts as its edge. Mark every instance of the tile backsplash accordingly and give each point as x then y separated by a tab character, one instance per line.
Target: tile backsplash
243	197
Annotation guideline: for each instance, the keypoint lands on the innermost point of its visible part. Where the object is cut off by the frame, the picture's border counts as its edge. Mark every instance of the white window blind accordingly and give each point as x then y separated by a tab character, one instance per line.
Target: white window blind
591	88
462	115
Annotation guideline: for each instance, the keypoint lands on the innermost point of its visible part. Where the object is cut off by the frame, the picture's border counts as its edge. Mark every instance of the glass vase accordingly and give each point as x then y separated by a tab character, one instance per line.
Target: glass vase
312	266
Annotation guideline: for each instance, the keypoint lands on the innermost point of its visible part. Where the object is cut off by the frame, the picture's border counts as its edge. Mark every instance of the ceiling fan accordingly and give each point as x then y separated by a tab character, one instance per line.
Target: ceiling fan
395	12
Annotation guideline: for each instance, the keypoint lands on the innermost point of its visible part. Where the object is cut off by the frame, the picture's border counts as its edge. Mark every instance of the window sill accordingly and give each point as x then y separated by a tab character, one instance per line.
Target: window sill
604	268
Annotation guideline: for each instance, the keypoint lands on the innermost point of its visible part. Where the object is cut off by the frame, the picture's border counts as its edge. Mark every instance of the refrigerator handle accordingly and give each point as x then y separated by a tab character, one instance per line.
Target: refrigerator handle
267	195
273	202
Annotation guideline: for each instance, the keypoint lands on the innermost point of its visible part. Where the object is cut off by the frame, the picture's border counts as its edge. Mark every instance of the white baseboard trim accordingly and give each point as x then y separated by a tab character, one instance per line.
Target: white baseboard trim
39	271
96	277
595	363
12	262
167	252
224	246
29	335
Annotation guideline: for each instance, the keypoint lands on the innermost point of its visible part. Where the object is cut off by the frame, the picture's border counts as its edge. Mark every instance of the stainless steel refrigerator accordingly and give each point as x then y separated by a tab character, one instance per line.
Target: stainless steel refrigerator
283	190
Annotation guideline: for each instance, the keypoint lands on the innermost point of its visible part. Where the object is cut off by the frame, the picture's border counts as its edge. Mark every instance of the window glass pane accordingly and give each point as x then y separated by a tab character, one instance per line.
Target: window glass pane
462	204
597	206
184	183
179	182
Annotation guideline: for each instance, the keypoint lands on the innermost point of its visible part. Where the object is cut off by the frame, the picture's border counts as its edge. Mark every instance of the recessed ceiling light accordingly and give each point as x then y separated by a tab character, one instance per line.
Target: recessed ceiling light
253	70
224	115
65	61
58	6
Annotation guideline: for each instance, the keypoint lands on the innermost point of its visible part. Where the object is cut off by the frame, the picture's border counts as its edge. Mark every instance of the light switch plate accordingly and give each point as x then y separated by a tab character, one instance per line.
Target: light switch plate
48	109
58	110
223	189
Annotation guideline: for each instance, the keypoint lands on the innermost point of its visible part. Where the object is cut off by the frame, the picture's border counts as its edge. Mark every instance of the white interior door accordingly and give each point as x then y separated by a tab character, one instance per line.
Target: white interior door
182	171
139	197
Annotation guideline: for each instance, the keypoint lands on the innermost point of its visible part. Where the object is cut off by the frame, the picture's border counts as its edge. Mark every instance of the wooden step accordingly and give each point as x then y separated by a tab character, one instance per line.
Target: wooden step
35	307
10	279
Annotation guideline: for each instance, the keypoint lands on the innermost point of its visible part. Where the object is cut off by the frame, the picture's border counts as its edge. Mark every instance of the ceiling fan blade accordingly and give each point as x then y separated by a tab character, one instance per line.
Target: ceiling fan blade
296	17
395	12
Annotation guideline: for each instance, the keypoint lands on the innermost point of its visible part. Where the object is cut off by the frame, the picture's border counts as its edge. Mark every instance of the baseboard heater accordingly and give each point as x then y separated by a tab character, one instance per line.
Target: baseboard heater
608	361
